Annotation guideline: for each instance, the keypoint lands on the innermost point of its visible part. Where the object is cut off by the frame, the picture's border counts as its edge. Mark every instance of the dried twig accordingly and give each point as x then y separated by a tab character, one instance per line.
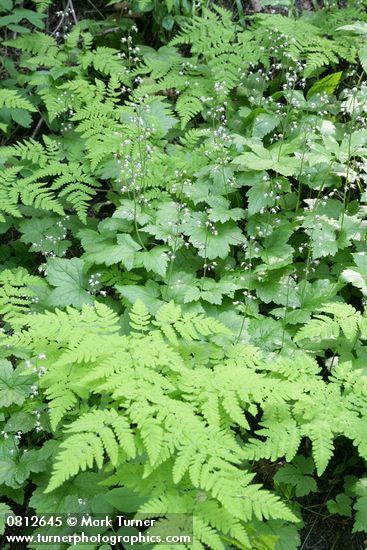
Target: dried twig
107	31
38	126
96	9
71	8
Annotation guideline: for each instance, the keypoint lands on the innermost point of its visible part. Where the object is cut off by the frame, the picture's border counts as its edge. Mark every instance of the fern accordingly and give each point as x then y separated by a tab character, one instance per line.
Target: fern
192	136
189	181
9	202
99	432
72	186
189	327
62	400
305	41
282	441
81	451
322	327
209	34
187	107
16	292
30	150
165	409
170	431
14	100
347	317
35	43
107	62
322	444
139	317
42	5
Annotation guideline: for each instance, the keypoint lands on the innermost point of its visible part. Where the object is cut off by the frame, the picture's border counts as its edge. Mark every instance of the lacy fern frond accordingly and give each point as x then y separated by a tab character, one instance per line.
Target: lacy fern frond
139	317
144	388
12	99
106	61
100	432
37	43
322	327
72	184
42	5
15	292
80	451
304	41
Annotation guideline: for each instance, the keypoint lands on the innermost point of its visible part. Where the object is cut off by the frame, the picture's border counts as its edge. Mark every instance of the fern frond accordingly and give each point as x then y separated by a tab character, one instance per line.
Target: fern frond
207	535
15	292
106	61
35	42
187	107
78	453
322	327
347	317
193	135
42	5
281	441
39	197
97	431
36	153
139	317
193	326
12	99
62	400
170	414
322	444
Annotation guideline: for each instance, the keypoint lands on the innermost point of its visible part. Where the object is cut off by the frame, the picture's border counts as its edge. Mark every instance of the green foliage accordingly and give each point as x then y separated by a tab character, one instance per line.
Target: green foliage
298	475
184	275
152	378
13	13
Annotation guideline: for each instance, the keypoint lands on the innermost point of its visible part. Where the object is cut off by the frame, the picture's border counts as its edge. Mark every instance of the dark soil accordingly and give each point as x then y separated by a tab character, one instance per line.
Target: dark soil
330	534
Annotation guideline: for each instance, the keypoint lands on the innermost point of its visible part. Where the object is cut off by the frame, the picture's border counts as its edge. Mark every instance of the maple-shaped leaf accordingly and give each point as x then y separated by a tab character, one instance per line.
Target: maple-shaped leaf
70	279
155	260
212	241
13	387
109	249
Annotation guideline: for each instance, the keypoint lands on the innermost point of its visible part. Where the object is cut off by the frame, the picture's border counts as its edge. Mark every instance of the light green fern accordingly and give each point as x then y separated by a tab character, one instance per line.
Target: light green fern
179	416
345	318
12	99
